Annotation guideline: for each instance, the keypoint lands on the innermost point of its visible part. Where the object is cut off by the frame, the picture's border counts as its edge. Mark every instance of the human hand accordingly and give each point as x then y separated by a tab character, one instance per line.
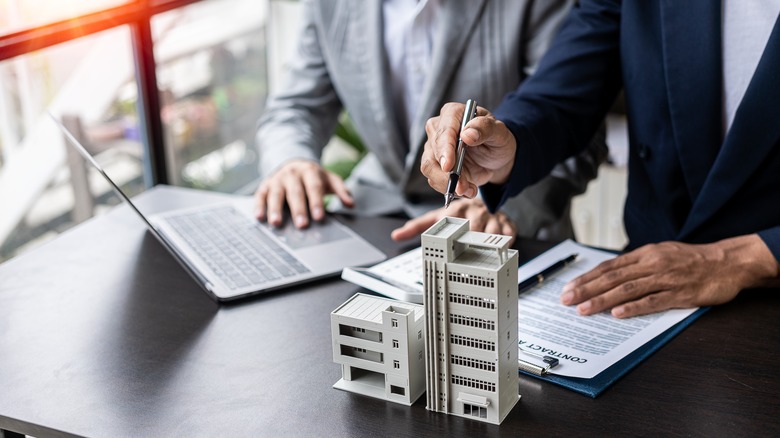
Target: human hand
303	184
672	275
480	219
490	157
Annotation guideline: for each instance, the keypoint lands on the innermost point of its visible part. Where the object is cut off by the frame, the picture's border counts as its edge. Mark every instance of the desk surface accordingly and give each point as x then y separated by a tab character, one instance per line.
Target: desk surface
103	334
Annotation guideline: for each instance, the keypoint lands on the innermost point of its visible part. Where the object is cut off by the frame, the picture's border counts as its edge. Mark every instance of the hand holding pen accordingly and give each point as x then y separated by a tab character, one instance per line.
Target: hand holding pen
491	150
468	113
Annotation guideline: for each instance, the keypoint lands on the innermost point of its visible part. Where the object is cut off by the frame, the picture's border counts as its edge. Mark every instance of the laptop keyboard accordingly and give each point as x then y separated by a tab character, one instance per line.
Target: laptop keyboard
234	248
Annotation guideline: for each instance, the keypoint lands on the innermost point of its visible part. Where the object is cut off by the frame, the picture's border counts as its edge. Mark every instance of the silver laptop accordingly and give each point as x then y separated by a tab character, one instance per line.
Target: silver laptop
231	255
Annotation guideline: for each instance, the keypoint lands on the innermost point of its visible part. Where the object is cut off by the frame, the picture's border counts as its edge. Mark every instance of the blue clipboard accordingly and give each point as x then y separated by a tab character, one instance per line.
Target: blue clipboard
596	385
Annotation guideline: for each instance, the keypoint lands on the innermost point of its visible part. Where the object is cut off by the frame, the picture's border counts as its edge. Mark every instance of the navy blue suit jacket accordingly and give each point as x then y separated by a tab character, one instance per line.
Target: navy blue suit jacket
686	182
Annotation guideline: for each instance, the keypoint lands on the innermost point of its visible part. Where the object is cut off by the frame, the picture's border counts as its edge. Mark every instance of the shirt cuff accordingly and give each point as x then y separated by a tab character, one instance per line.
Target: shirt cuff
771	238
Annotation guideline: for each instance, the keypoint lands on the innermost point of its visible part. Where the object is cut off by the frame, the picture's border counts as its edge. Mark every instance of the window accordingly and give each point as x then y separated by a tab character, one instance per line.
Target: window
394	322
24	14
473	383
474	411
471	321
362	353
396	365
45	186
360	333
212	91
98	65
472	342
397	390
473	363
395	343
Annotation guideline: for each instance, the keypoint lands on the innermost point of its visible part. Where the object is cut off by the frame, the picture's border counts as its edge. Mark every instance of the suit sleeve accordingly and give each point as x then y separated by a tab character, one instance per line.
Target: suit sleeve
555	113
300	119
543	210
771	238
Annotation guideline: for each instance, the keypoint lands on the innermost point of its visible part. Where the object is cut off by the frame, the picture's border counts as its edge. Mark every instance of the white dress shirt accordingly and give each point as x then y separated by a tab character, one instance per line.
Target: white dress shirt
747	25
409	30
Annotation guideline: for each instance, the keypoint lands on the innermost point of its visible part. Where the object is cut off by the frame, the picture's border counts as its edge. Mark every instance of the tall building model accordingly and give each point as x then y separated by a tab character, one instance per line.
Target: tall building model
470	282
379	345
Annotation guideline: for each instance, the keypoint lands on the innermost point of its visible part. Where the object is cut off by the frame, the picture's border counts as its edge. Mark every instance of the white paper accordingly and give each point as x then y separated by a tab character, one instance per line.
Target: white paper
584	345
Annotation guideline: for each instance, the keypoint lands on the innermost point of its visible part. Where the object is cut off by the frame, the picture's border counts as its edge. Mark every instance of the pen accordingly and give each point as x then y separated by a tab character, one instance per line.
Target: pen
469	113
546	272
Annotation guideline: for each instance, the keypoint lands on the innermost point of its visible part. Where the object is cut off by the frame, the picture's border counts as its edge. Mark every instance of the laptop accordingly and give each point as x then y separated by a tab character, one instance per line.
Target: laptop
231	255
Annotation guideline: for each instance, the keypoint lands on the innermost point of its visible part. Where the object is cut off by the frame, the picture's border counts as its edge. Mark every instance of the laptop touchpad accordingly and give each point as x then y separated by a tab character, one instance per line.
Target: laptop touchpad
317	233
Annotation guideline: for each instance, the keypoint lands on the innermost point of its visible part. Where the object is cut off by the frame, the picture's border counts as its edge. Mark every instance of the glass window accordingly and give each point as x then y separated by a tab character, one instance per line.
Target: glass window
44	188
212	76
16	15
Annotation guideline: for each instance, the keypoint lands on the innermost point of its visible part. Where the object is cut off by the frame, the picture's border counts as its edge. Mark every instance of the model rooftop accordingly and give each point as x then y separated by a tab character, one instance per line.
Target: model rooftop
370	308
447	227
487	258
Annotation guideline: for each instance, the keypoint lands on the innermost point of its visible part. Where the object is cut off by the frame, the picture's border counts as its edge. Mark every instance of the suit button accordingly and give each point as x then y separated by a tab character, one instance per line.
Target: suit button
644	151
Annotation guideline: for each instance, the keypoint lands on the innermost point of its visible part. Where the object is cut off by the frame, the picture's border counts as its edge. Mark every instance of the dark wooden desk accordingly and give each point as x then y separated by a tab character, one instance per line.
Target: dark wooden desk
102	334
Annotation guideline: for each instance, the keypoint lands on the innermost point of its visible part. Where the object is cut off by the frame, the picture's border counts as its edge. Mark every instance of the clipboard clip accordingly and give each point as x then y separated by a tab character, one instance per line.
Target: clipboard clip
539	370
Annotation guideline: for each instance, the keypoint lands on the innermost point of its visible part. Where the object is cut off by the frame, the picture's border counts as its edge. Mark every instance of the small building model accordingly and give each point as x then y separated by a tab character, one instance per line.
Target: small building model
470	282
379	344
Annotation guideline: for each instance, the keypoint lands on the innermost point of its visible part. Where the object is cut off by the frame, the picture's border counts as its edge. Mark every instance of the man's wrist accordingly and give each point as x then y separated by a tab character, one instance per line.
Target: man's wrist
501	176
749	259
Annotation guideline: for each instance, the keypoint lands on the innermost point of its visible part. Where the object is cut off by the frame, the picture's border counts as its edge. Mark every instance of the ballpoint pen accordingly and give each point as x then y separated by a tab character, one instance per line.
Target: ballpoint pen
546	272
469	113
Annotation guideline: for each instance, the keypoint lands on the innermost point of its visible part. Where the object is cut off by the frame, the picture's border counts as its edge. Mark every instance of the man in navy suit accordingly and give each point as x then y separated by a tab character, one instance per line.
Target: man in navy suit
703	206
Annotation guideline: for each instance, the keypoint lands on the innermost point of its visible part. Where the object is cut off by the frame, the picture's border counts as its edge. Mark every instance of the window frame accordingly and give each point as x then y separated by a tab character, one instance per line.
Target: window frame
137	15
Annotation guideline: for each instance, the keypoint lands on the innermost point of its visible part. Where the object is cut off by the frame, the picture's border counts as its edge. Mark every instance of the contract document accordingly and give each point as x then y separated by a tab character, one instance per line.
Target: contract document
584	345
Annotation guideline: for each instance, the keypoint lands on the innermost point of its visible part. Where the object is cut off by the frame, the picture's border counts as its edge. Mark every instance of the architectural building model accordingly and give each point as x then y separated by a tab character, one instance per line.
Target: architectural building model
379	344
470	282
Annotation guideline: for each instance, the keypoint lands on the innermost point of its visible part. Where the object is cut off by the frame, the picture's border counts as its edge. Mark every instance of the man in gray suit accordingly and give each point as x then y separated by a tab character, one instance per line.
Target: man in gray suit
392	64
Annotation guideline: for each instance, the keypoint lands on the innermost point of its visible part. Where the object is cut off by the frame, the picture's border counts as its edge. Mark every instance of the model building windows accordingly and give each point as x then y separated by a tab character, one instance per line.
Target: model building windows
394	322
472	342
433	252
419	334
474	411
471	321
362	353
360	333
468	300
474	383
397	390
472	363
474	280
396	365
395	343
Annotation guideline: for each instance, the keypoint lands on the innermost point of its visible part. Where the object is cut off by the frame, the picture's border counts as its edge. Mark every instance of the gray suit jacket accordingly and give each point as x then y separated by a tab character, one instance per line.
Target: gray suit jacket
484	49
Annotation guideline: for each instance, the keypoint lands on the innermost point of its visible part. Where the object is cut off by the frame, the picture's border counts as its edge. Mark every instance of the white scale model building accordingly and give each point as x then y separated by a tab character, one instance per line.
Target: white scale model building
379	344
470	281
467	331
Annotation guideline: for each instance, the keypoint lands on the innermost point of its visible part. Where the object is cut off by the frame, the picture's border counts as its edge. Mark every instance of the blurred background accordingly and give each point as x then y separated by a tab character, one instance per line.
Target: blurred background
163	91
89	64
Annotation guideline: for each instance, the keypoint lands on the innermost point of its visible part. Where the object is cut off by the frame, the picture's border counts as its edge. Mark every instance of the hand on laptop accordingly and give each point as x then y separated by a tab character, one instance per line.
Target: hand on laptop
303	185
472	209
